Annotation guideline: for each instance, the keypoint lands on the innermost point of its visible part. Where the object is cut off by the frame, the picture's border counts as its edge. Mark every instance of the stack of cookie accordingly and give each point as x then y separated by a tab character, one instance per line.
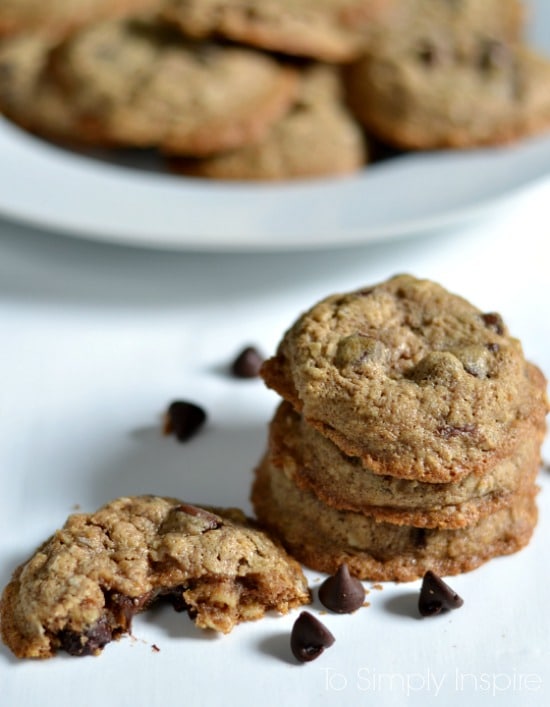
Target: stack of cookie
271	89
409	436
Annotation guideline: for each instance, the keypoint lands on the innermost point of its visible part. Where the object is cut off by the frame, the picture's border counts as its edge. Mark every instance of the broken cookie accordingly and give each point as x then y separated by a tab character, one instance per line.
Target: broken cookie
83	586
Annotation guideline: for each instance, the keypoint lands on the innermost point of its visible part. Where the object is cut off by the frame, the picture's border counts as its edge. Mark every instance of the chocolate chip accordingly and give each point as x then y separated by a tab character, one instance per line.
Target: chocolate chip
211	520
176	599
448	431
419	537
342	593
90	642
436	596
309	638
359	351
428	54
494	55
493	348
248	363
124	608
493	320
183	419
475	359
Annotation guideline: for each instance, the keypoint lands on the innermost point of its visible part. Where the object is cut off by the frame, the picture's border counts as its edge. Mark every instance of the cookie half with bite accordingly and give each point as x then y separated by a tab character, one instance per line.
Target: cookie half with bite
83	586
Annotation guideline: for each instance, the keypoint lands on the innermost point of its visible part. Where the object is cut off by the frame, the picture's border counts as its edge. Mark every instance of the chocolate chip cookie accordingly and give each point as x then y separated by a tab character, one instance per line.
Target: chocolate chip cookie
412	380
137	84
28	95
316	137
83	586
314	463
451	74
324	538
409	436
329	30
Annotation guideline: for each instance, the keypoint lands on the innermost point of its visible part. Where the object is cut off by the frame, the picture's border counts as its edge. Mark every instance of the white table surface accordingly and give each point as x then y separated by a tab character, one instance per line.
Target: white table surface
96	340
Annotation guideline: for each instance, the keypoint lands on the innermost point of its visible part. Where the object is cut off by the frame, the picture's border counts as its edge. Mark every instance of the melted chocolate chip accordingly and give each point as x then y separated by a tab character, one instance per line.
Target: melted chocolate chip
183	419
448	431
211	520
342	593
176	599
493	320
90	642
309	638
248	363
436	596
419	537
124	608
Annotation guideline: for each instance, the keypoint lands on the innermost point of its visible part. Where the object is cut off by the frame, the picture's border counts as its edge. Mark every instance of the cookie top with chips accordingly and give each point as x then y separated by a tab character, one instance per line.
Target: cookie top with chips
414	380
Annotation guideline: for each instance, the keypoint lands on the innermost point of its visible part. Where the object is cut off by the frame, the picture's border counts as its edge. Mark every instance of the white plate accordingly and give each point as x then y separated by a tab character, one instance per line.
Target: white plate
52	188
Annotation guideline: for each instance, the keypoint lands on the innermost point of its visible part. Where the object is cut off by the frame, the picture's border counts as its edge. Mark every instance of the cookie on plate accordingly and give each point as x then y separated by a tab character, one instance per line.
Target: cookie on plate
451	75
28	96
316	137
412	379
329	30
83	586
136	84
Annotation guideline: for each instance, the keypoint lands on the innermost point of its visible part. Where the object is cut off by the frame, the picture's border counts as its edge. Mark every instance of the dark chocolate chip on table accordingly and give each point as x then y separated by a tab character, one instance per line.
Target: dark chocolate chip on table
309	638
436	596
248	363
341	592
183	419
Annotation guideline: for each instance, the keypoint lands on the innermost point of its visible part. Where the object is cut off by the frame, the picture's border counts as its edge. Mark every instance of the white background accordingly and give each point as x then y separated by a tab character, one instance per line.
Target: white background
97	340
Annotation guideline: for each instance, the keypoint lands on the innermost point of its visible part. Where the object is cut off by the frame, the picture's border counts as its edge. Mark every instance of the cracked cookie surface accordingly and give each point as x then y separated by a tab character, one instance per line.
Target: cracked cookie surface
83	586
413	380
